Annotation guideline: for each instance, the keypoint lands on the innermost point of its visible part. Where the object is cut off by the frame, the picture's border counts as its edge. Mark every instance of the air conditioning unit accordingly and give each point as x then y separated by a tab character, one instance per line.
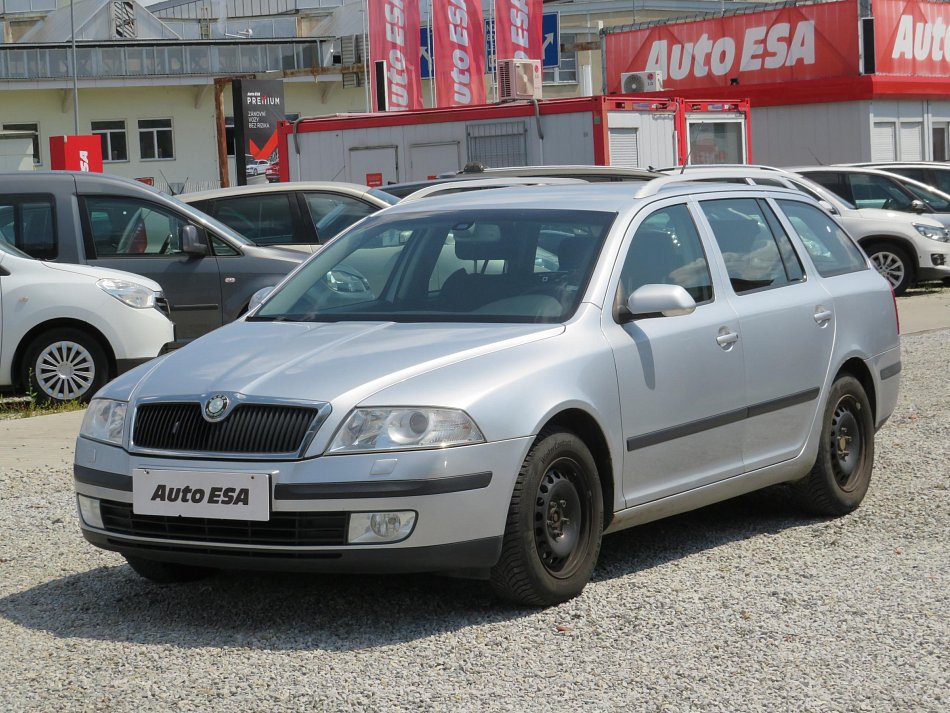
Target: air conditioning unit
639	82
519	79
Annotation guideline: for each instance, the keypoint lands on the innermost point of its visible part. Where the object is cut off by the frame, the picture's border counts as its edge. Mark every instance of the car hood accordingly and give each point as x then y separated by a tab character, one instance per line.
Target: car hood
99	273
339	362
907	218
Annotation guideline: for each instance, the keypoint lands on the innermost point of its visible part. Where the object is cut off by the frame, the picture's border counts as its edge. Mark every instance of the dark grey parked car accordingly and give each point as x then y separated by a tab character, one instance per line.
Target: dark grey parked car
207	270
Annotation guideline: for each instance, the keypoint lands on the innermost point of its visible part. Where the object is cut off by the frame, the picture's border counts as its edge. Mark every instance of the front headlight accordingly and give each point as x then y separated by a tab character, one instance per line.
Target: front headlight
932	232
130	293
396	429
104	421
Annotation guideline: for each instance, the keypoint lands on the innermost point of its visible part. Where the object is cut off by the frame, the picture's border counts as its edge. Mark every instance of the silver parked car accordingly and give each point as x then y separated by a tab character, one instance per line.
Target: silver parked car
425	394
904	247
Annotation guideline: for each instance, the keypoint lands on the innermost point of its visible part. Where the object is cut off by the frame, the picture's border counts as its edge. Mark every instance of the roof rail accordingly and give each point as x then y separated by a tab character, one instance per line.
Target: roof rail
479	183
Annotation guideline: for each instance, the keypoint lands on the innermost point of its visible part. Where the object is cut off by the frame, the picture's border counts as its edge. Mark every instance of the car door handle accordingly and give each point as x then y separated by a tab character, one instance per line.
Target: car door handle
727	339
822	314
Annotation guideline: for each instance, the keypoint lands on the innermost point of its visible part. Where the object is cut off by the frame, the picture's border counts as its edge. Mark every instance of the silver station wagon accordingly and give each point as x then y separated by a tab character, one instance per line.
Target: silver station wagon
485	384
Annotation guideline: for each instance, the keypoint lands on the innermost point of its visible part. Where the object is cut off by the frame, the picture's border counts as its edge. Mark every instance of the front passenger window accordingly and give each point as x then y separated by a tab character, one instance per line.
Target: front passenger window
667	250
128	227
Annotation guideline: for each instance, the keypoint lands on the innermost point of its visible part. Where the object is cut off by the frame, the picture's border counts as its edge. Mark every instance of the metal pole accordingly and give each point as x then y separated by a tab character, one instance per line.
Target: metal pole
366	49
432	89
493	57
72	37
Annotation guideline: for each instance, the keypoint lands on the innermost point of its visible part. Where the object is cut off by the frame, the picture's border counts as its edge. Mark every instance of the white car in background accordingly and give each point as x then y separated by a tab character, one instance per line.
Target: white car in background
905	248
65	330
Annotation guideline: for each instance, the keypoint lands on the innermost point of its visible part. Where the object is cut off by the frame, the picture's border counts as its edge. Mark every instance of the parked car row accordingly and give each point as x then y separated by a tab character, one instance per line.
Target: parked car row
211	261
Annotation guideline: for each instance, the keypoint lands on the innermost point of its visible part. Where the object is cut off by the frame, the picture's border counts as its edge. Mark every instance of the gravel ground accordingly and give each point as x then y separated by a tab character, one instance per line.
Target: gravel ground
743	606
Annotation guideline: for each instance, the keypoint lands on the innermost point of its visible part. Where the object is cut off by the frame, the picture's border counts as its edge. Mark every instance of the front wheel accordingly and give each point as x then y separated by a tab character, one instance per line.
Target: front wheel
554	526
840	477
65	365
894	264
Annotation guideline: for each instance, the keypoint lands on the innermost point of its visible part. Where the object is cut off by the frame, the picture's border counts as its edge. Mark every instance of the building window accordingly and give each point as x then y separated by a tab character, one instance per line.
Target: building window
115	145
33	129
566	71
941	145
155	139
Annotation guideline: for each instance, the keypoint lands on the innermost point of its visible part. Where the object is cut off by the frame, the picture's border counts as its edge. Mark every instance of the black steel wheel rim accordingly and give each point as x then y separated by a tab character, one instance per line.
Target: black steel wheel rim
847	442
562	518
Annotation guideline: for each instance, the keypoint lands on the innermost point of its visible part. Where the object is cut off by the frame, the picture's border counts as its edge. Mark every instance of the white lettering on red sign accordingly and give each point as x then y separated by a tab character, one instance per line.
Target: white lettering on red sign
921	40
84	161
762	47
396	74
461	59
520	27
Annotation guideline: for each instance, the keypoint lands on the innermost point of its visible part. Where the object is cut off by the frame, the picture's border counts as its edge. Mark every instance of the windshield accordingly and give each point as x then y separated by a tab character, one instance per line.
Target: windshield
456	266
934	199
213	222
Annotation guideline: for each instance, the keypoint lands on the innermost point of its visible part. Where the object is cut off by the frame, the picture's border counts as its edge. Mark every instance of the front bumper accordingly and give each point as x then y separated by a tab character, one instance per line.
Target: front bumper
460	497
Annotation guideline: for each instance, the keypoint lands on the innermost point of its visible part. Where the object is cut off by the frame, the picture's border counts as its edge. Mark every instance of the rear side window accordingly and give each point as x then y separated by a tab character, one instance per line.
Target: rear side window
263	219
757	252
27	222
830	248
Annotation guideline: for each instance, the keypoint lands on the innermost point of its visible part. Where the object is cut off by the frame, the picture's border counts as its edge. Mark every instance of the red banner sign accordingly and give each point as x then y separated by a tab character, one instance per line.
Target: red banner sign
458	32
518	29
394	37
790	44
912	38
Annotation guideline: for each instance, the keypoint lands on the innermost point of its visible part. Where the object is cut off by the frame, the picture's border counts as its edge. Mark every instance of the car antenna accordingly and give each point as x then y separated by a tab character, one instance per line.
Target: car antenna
690	152
818	160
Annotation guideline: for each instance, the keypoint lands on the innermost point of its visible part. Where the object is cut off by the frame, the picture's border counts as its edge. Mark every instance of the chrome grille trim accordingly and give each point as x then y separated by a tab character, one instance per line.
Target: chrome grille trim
253	430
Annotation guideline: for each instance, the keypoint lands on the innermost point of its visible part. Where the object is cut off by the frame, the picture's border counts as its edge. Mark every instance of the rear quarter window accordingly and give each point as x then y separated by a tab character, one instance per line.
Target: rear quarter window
830	248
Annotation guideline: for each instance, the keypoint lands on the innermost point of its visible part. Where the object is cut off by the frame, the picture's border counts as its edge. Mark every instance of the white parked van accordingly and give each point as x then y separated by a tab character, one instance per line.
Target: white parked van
65	330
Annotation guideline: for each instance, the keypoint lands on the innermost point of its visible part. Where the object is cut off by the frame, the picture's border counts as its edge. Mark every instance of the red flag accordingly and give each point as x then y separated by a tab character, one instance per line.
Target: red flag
458	31
394	37
518	29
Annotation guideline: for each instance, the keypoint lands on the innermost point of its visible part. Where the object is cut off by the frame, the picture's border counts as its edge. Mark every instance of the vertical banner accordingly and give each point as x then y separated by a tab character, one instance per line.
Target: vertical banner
459	47
518	29
394	29
258	107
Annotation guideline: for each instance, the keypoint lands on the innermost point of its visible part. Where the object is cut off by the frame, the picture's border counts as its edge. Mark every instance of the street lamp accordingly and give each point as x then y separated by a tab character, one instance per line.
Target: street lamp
72	38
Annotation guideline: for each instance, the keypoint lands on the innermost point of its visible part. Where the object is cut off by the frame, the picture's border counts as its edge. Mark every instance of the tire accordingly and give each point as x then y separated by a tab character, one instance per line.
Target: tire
166	572
65	365
840	477
554	526
894	264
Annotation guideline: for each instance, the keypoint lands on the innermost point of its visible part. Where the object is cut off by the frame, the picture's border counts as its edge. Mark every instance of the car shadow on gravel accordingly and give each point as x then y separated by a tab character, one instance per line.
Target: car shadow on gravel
285	612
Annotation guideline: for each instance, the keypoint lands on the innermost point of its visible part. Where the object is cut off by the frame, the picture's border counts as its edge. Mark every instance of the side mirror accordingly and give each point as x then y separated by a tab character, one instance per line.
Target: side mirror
918	206
666	300
191	244
828	207
258	297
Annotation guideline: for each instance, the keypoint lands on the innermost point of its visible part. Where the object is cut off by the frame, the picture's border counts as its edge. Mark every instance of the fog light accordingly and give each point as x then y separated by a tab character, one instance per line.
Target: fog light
89	512
369	527
938	259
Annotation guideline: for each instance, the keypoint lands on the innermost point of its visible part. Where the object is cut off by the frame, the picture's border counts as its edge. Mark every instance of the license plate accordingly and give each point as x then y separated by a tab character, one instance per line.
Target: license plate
211	494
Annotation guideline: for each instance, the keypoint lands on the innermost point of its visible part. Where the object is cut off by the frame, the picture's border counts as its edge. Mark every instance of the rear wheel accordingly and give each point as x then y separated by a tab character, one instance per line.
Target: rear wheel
841	475
894	264
166	572
65	365
555	521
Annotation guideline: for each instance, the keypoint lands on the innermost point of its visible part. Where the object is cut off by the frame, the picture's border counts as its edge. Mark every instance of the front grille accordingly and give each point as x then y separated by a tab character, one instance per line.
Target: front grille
290	529
249	428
